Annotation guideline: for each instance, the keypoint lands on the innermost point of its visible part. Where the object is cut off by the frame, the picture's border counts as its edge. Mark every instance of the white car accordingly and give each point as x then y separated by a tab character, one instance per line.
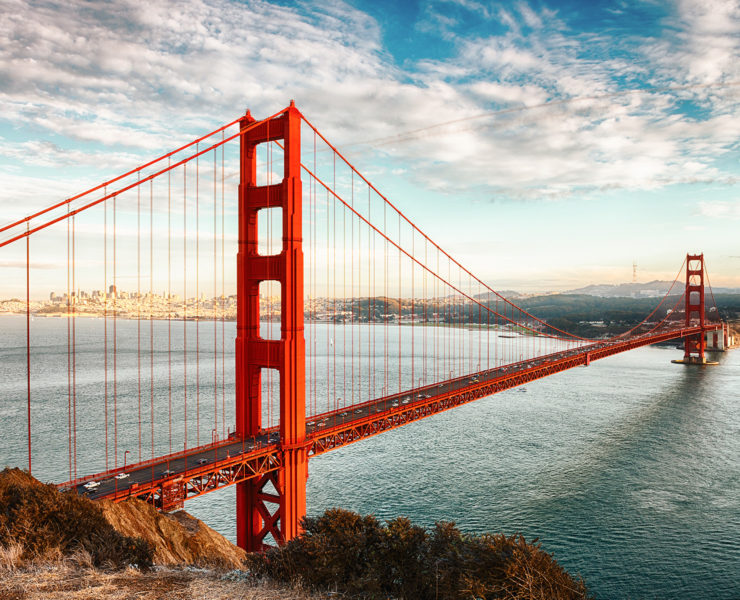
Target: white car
91	485
122	476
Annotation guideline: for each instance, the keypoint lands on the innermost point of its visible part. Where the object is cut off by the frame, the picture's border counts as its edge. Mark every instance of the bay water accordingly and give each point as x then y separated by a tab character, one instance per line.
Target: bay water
628	470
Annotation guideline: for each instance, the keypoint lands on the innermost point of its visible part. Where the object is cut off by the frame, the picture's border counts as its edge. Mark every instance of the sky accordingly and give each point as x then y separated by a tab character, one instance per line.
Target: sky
546	145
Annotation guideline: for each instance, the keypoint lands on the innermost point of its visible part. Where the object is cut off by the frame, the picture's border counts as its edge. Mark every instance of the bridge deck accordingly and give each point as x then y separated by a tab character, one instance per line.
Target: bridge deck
167	481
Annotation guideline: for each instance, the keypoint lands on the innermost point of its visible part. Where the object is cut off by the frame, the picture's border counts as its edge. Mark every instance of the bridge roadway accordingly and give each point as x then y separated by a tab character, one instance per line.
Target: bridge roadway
167	481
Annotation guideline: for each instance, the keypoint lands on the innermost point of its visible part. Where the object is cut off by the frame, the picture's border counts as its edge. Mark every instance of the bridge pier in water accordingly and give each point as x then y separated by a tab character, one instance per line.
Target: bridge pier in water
695	346
271	505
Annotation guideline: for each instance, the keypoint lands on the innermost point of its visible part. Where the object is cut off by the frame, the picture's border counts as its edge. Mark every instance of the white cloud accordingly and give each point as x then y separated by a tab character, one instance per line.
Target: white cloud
48	154
708	37
527	95
138	77
576	128
720	209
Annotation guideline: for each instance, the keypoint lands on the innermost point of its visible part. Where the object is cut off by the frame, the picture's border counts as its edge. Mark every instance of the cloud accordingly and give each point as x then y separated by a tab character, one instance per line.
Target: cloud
708	49
572	112
82	82
97	71
34	265
720	209
43	153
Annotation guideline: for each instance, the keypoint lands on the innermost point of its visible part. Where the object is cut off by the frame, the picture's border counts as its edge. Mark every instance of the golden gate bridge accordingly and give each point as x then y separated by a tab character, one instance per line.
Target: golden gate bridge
350	321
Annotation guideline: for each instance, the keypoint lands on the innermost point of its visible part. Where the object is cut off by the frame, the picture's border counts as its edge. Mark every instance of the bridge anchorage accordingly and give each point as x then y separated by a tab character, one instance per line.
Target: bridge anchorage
378	325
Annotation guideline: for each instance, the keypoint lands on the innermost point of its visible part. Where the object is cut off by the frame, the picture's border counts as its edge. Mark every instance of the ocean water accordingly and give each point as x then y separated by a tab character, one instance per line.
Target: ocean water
628	471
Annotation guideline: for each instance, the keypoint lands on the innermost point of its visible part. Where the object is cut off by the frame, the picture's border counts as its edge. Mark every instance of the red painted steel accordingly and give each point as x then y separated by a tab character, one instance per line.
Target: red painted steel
255	465
694	345
254	519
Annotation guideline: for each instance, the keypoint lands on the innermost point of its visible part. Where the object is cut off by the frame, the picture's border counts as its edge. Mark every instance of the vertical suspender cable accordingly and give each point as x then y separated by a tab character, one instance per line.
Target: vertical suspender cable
197	298
352	291
151	312
215	294
223	294
413	308
314	279
400	312
344	286
331	328
74	350
185	302
386	304
438	323
105	319
425	324
370	353
28	340
169	300
115	345
138	302
69	355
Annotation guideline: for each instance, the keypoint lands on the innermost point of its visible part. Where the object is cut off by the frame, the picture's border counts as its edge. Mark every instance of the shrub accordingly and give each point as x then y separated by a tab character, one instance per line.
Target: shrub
361	557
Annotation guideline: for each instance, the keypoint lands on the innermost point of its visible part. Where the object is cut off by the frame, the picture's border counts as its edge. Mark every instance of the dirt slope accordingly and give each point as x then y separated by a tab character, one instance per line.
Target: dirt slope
177	538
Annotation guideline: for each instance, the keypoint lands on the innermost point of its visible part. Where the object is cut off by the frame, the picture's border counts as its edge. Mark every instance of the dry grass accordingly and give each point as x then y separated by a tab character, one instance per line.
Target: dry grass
67	581
10	557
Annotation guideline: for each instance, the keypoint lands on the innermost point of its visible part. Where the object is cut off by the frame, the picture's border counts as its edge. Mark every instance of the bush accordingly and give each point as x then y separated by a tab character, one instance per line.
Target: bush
361	557
47	523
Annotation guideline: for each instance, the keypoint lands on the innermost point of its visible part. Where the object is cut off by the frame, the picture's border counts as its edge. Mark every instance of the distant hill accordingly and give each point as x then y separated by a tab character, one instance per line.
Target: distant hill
509	294
651	289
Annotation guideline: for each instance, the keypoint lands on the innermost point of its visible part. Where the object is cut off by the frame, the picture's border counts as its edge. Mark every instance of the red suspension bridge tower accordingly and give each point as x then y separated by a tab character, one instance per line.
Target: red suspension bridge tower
695	345
274	503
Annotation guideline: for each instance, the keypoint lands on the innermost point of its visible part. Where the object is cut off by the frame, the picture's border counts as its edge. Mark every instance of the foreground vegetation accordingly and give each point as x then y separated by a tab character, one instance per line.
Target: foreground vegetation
60	545
38	523
361	557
